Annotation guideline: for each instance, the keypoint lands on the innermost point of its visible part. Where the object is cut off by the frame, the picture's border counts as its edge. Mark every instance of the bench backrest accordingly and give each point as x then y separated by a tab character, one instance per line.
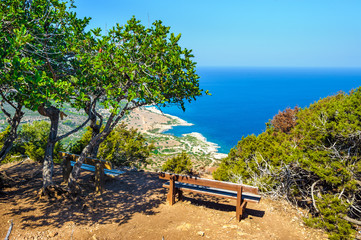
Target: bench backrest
207	182
88	160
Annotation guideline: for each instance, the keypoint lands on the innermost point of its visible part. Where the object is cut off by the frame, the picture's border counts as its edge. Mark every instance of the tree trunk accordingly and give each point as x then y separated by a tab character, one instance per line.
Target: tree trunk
95	141
48	165
95	129
74	175
8	144
11	137
95	132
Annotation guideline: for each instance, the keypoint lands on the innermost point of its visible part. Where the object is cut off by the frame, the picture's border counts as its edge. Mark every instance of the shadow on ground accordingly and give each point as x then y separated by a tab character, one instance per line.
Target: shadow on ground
126	195
133	192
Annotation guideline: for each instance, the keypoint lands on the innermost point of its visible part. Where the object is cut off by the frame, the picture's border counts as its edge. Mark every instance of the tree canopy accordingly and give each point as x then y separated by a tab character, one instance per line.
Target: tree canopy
48	59
134	66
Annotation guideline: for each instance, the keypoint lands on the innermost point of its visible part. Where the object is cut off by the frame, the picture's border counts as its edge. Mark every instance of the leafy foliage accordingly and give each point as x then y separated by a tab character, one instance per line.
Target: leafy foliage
3	135
33	139
285	121
80	144
31	142
122	147
179	164
310	156
130	67
125	147
37	65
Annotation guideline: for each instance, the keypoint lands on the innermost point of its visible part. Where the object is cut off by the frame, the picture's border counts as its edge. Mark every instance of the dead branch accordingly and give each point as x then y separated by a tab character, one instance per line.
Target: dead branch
9	231
351	220
313	198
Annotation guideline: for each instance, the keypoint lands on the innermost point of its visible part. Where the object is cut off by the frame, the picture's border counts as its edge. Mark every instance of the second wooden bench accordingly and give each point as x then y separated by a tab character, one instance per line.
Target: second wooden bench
98	166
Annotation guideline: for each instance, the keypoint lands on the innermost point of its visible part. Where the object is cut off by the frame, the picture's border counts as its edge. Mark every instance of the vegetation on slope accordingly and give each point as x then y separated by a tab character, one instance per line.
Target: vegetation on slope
179	164
31	142
310	156
122	147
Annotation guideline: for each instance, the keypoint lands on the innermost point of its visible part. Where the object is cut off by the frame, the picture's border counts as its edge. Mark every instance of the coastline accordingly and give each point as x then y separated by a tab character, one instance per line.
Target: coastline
165	127
212	147
153	123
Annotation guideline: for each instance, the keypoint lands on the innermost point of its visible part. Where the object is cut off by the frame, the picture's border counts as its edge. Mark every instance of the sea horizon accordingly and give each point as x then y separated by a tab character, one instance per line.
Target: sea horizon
244	99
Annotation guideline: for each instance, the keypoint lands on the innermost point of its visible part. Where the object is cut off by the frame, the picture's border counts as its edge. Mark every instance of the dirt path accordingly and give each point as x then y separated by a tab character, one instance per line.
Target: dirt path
134	207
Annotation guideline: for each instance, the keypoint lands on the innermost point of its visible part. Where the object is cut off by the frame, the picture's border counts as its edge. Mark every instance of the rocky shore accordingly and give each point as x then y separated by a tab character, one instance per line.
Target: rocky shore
153	123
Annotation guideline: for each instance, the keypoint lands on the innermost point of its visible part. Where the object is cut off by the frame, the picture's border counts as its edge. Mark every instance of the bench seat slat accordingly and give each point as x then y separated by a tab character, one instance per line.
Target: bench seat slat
207	182
112	172
249	197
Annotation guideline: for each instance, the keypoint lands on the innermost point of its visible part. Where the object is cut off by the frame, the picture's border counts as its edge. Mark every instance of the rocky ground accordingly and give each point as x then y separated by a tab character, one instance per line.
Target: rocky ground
134	207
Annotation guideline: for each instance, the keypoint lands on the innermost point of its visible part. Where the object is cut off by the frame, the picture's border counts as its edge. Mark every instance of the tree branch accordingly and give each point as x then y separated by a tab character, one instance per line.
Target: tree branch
313	198
351	220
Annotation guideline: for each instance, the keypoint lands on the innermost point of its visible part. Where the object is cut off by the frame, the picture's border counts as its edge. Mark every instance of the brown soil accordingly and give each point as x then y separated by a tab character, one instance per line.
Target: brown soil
134	207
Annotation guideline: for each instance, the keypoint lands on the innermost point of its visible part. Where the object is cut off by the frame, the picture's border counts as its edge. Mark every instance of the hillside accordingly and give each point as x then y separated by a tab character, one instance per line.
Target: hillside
310	156
151	123
134	207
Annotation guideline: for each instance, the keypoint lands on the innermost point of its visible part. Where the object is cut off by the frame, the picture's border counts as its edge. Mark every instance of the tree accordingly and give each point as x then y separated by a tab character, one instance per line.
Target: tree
286	120
13	65
41	70
135	66
178	164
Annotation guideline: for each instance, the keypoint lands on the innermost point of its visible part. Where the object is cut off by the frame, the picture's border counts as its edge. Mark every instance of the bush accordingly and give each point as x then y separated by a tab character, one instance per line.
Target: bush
317	148
122	147
125	147
180	164
32	141
286	120
3	136
80	144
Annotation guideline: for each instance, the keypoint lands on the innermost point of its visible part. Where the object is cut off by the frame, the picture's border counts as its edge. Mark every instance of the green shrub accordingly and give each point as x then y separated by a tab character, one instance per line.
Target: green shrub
80	144
125	147
122	147
180	164
32	140
3	136
301	147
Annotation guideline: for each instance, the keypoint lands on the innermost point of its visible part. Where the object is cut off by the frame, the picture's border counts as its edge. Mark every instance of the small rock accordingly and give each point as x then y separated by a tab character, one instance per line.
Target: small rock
51	234
242	234
200	233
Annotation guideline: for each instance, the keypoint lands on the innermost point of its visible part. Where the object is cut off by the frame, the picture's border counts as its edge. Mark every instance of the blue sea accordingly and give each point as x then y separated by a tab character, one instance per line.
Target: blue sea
244	99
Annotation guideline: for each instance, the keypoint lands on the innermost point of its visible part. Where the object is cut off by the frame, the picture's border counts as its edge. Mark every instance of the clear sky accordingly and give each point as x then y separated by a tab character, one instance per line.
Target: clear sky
267	33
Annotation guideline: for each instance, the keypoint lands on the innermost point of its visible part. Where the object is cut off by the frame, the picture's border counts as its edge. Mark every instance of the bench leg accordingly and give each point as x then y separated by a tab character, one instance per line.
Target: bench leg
240	205
180	195
171	193
66	168
99	178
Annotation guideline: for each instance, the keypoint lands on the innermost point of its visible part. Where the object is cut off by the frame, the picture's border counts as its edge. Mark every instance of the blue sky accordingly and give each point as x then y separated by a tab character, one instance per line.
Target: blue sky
260	33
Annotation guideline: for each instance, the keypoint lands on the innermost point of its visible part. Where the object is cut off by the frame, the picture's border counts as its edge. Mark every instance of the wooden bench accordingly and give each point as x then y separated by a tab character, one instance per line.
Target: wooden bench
239	192
98	166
